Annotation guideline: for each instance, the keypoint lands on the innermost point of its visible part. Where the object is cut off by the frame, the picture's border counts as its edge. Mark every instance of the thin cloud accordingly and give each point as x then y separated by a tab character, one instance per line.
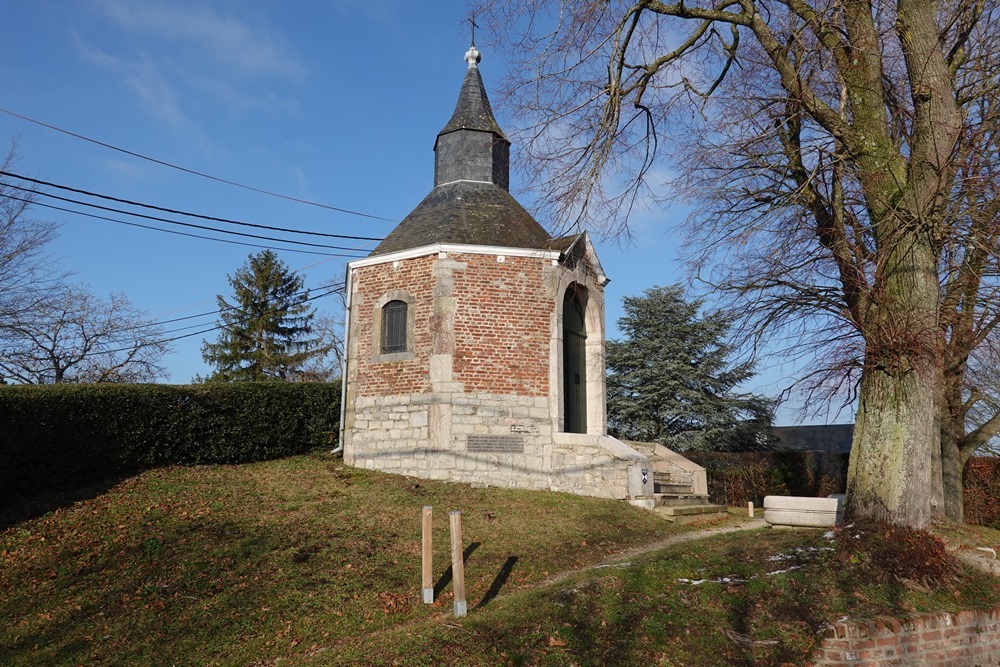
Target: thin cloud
142	76
175	58
229	43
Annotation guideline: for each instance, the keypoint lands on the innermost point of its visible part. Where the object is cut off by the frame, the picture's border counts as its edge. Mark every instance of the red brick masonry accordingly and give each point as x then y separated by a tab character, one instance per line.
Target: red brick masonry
964	639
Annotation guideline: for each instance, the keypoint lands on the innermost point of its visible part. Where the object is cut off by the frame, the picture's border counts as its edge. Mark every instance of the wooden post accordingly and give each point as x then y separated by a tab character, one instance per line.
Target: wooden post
750	509
457	564
428	557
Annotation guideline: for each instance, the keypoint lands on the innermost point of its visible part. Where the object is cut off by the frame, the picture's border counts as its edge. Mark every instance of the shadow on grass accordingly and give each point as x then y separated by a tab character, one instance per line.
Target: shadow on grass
448	574
29	504
498	582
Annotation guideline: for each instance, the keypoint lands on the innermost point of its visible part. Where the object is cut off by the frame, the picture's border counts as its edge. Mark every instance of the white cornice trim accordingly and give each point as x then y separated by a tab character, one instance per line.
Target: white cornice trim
446	248
465	180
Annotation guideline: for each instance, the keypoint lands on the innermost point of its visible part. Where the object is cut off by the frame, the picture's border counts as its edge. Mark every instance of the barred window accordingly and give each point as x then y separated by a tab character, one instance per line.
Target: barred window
394	327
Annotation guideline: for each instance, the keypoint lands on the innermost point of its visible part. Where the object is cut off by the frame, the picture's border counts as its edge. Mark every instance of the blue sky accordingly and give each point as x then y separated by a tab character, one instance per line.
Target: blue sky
335	102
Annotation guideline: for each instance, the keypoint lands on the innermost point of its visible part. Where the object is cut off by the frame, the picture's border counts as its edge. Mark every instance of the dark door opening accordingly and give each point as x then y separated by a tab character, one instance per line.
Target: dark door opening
574	363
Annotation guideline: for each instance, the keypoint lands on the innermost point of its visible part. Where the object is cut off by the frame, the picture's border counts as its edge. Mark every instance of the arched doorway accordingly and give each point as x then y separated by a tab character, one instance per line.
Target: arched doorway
574	360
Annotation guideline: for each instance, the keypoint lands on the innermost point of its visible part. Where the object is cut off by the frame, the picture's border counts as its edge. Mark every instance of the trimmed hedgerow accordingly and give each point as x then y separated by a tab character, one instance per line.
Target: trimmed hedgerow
736	478
53	437
982	480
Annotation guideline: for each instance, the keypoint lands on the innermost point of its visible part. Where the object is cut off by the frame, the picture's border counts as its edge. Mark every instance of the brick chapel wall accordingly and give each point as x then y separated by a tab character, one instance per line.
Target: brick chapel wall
503	325
497	327
478	375
405	376
963	639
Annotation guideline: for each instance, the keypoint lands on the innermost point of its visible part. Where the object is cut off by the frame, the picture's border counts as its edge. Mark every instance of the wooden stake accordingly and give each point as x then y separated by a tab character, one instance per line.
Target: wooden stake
428	567
457	564
750	509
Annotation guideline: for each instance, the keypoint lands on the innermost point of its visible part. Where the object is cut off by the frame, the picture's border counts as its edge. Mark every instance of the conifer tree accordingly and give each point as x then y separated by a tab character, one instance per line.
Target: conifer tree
265	331
672	379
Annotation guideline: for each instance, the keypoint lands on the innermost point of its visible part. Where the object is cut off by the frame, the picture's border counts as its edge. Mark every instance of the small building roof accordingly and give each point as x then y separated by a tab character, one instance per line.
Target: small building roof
467	213
473	110
469	204
831	438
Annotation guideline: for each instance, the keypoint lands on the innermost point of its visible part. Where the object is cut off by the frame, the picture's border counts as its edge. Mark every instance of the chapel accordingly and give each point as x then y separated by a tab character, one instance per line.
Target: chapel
475	340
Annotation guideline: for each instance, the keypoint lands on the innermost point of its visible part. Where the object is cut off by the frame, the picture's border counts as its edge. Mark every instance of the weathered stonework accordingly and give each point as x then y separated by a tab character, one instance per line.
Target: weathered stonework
485	363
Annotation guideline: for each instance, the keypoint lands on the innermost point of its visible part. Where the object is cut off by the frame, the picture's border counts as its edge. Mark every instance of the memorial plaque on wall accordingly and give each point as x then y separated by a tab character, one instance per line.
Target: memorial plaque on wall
497	444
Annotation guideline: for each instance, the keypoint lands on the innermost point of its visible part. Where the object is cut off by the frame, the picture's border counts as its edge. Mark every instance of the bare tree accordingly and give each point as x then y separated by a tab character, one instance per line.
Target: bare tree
75	336
834	152
328	329
26	276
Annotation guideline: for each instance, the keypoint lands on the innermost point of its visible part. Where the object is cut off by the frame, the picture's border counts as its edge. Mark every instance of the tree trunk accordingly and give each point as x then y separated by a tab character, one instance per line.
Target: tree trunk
891	466
939	502
952	419
889	475
952	466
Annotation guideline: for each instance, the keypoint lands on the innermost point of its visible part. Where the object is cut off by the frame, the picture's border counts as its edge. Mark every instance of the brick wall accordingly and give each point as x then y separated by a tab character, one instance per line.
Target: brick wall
371	284
475	397
503	325
963	639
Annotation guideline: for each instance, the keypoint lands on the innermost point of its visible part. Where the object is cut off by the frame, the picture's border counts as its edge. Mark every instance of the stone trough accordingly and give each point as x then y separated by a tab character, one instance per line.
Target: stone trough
803	512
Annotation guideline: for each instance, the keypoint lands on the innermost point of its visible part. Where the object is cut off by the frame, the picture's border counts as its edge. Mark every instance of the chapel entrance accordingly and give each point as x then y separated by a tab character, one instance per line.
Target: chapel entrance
574	360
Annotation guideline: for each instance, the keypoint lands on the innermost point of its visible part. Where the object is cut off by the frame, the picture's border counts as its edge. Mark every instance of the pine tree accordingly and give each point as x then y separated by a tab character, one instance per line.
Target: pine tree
265	332
671	380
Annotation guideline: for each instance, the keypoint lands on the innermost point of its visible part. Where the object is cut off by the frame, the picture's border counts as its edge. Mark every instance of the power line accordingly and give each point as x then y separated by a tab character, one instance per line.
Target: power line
192	171
185	213
156	323
157	218
180	233
186	317
216	327
212	312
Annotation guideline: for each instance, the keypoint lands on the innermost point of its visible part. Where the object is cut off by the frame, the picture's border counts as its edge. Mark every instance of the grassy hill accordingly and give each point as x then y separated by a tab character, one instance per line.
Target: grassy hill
306	561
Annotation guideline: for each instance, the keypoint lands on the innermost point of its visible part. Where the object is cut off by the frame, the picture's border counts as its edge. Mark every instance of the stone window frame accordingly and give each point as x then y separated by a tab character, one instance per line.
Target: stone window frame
377	355
394	338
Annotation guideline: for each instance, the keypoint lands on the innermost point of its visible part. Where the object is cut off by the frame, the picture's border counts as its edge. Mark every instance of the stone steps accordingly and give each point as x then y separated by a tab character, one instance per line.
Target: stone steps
679	499
673	488
689	511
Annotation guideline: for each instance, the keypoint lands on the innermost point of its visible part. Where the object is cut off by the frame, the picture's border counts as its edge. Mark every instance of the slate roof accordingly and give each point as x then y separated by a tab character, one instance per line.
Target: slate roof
467	213
468	210
832	438
473	110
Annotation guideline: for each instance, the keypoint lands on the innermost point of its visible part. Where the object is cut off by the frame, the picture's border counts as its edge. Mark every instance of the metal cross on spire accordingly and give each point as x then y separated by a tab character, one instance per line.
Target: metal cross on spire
472	21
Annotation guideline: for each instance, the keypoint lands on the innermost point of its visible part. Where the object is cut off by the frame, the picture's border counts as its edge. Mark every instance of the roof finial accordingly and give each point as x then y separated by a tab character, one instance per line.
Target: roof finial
472	56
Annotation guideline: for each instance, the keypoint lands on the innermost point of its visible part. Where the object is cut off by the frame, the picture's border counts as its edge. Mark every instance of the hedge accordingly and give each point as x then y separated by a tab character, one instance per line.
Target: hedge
982	491
736	478
58	436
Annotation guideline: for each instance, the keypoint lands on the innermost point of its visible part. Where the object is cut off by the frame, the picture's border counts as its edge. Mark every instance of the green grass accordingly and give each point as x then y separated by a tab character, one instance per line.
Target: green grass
305	561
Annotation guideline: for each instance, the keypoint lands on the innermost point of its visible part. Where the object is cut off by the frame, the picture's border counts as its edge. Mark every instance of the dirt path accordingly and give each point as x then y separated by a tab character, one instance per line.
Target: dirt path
623	558
620	559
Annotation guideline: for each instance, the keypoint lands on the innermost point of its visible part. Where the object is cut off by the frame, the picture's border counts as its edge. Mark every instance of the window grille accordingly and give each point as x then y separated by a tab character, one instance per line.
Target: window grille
394	327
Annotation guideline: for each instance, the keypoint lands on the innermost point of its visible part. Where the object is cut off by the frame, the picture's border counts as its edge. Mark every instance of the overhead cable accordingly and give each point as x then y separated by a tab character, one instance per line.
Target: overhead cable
192	171
210	329
185	213
157	218
188	234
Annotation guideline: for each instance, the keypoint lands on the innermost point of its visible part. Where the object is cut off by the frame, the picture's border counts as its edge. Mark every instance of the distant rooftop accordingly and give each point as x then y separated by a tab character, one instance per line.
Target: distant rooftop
831	438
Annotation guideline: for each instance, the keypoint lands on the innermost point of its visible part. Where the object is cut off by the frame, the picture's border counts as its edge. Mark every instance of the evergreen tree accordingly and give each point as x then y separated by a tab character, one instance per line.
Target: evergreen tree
671	380
266	331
